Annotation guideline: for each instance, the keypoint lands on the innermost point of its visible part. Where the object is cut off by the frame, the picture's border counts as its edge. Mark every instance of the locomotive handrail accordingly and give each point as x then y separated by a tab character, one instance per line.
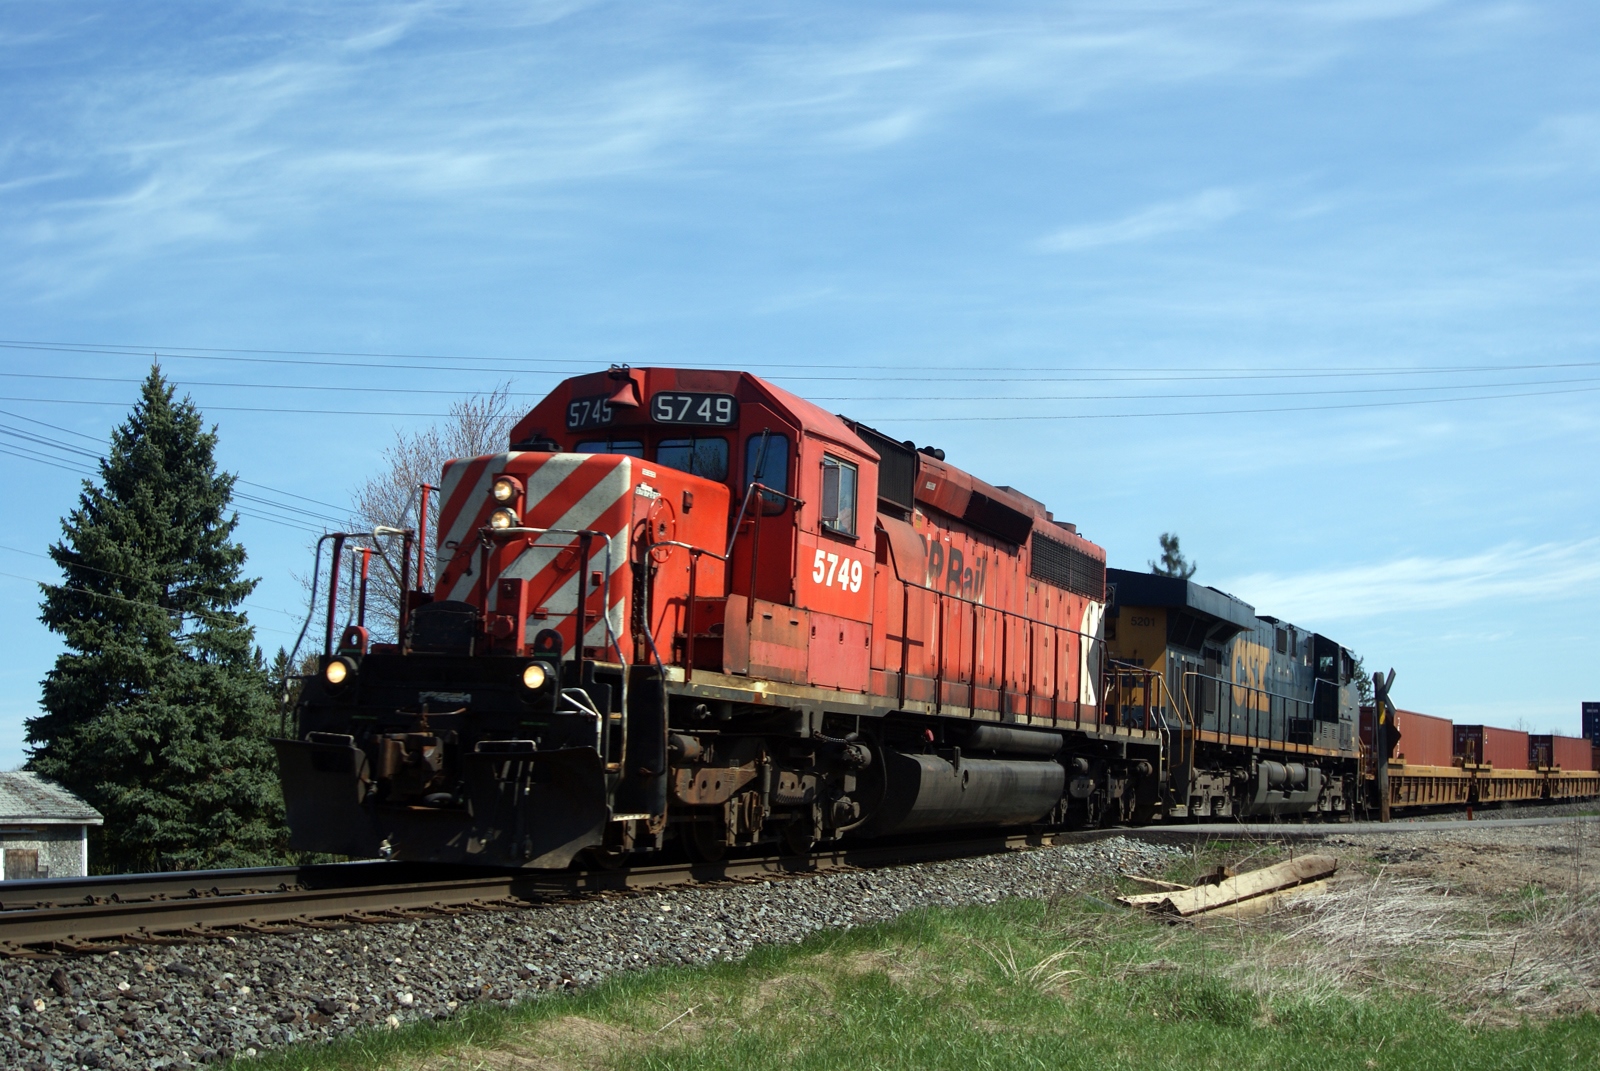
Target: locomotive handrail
586	537
1254	728
755	540
1155	680
695	554
972	683
733	535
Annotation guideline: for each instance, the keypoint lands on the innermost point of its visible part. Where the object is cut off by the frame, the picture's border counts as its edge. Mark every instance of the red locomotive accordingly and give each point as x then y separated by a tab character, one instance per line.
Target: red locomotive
690	606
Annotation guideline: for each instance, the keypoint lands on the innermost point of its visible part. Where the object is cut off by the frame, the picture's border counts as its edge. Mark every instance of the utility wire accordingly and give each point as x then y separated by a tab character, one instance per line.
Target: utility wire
67	466
135	579
280	506
1010	416
135	602
1227	412
901	372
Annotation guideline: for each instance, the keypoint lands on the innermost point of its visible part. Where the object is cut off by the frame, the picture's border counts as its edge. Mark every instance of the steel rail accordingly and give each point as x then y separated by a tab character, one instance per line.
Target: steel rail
98	914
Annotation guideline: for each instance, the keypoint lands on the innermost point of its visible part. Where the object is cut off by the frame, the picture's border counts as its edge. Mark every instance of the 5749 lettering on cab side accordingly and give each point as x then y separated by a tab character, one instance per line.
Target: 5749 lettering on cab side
834	570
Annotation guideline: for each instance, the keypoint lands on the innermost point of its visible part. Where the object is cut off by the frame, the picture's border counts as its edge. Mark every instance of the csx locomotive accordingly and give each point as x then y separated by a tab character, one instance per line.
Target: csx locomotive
688	608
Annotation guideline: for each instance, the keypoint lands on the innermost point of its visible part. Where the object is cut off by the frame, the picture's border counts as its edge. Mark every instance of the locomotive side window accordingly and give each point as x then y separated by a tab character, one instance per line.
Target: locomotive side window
766	461
702	457
631	447
838	496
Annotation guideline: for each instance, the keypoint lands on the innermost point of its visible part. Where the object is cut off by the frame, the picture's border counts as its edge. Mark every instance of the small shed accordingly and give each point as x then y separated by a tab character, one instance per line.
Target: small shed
44	829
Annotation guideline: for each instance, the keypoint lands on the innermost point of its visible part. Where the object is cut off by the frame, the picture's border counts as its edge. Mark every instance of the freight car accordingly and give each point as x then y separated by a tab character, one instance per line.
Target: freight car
1437	764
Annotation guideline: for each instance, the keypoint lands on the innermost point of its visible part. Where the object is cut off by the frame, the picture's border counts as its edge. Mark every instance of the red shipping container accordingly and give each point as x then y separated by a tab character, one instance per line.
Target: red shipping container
1425	740
1504	749
1567	752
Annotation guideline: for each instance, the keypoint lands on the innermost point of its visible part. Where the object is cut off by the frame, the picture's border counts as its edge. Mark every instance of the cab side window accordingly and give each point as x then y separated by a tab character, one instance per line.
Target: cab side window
766	461
839	480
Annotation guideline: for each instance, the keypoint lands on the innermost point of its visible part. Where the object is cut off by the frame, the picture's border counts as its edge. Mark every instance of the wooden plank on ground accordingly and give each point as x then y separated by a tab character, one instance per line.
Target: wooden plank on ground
1156	883
1243	887
1261	905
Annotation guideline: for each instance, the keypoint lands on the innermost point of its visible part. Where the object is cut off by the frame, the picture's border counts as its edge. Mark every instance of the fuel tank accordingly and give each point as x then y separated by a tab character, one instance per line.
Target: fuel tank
931	792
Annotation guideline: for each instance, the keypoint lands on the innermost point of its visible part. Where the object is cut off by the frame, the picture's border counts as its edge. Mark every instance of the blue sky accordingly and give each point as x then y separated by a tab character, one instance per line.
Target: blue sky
1312	284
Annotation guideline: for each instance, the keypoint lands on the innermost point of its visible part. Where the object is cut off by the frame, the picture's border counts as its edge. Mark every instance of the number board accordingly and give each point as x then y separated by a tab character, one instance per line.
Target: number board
589	412
695	407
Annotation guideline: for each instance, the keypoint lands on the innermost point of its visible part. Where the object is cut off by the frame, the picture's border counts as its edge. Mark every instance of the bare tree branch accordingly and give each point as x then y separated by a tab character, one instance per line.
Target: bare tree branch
480	424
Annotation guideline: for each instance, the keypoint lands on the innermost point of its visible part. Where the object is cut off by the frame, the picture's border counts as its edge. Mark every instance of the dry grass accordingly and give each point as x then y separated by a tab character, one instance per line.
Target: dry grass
1491	955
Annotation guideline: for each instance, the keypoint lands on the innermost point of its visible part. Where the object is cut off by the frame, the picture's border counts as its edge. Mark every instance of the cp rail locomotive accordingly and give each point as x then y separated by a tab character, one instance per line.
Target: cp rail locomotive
688	609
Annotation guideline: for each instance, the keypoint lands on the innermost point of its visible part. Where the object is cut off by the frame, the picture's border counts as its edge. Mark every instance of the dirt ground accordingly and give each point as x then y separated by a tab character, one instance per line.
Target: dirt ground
1490	860
1500	922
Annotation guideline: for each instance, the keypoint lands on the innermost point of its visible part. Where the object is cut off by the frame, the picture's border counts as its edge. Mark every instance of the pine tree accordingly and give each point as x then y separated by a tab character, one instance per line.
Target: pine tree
1172	563
159	710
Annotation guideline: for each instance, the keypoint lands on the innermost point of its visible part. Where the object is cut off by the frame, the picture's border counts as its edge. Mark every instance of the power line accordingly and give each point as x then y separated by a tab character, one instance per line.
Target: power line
323	388
319	387
96	439
1229	412
1121	373
281	506
1219	394
135	579
253	514
150	605
226	408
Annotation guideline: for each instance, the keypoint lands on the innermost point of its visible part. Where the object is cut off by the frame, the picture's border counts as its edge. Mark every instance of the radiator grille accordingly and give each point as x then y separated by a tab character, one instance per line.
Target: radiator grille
1067	567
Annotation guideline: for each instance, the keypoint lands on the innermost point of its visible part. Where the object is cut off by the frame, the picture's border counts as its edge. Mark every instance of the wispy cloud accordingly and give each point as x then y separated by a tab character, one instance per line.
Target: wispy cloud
1204	209
310	116
1566	143
1520	572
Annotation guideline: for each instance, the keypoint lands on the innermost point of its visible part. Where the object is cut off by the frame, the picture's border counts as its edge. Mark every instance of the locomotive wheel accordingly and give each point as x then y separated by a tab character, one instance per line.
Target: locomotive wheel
799	836
705	841
609	857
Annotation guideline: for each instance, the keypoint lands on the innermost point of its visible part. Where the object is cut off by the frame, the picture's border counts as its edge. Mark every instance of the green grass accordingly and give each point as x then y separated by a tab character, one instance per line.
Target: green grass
1067	984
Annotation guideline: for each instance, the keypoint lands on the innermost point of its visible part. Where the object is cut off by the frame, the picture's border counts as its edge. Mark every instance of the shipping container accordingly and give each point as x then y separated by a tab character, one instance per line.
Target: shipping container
1566	752
1425	740
1486	745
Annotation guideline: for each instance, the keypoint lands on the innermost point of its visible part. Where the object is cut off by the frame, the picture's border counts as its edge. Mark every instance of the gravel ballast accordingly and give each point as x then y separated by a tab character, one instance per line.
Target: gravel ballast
178	1006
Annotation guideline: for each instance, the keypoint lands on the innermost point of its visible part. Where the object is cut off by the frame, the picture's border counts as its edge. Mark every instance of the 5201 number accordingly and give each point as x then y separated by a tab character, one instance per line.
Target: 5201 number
830	569
693	407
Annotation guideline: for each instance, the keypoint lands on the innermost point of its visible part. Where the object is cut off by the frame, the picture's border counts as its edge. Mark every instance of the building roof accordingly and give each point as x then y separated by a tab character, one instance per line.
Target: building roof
28	798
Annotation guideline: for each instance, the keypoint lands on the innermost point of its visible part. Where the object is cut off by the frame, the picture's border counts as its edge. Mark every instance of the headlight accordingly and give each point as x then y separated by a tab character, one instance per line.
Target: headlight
501	519
533	676
505	489
337	671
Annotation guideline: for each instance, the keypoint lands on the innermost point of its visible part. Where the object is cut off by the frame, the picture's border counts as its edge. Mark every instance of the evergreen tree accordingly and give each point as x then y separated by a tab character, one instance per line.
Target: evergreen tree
159	710
1172	563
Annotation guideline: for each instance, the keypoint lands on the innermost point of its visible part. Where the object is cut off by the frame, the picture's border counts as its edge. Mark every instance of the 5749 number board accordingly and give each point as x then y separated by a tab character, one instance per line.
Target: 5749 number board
694	407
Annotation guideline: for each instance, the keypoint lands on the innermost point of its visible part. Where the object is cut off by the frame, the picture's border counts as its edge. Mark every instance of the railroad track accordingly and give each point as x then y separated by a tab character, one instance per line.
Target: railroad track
77	915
